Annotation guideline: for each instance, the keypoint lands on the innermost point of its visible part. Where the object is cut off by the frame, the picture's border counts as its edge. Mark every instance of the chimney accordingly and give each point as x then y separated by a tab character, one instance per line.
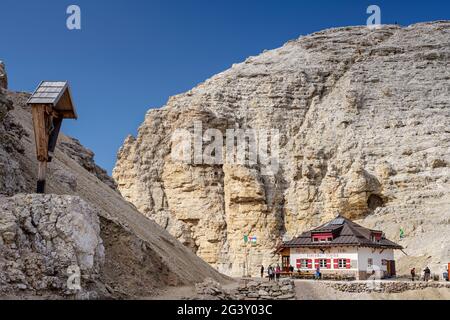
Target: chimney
3	76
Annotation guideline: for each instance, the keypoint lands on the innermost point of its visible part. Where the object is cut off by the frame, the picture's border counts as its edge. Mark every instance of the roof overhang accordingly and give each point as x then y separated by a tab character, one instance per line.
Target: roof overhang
328	246
57	95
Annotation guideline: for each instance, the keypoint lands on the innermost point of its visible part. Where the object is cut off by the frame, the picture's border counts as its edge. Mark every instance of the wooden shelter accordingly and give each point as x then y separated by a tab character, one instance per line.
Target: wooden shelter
50	104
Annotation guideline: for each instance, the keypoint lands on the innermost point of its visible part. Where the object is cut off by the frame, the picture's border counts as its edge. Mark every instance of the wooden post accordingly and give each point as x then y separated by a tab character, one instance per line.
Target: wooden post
41	133
42	172
50	104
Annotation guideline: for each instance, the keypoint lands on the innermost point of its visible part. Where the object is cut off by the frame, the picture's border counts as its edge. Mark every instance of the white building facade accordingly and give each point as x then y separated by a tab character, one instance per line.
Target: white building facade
340	249
344	262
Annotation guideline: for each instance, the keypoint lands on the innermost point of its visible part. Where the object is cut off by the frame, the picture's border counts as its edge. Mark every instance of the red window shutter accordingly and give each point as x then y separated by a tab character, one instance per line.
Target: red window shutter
317	263
336	263
309	263
348	264
298	263
328	263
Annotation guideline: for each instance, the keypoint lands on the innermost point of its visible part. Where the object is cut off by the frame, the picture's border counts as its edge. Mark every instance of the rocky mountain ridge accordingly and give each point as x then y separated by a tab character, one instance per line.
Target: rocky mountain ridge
364	118
82	223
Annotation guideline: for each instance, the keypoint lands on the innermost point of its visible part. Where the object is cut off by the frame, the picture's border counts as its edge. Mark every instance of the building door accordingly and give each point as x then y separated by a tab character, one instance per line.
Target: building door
391	268
285	263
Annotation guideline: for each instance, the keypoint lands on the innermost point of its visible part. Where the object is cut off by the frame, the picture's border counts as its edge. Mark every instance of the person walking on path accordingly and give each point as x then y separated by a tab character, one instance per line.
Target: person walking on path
318	275
426	274
270	272
413	274
262	271
278	272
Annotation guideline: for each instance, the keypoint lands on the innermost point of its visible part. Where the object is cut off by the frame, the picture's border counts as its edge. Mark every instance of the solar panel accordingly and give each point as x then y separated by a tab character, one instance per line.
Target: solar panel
48	92
337	222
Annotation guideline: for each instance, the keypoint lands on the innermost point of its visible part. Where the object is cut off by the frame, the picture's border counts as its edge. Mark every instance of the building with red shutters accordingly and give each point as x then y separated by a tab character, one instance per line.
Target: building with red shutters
341	249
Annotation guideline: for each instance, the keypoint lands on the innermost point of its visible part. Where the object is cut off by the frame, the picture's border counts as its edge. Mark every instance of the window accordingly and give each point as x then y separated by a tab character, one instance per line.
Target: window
376	237
369	262
304	263
322	237
342	263
323	263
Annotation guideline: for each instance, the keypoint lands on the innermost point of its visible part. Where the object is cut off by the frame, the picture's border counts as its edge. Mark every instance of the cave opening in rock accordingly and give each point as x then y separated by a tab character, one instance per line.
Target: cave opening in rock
374	202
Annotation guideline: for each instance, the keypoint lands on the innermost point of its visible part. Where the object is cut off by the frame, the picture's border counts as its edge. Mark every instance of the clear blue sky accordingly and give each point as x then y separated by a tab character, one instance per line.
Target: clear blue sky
132	55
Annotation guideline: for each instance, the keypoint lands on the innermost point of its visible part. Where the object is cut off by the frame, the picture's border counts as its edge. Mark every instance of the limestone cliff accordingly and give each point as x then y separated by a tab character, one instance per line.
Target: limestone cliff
364	118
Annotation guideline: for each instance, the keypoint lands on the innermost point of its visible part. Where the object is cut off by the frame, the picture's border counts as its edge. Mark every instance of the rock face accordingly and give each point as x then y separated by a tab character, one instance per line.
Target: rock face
3	76
43	238
85	157
11	147
363	118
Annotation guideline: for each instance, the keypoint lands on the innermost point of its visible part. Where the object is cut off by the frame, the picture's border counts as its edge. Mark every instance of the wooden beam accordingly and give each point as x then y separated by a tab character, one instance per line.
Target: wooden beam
53	139
41	134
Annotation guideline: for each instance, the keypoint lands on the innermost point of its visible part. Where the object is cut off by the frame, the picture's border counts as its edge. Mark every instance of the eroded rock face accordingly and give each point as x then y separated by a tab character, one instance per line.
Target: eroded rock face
3	76
43	240
85	157
11	133
364	118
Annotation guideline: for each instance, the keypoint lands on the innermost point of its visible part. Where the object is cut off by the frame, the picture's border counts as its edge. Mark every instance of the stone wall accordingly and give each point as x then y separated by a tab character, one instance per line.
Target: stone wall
250	289
385	286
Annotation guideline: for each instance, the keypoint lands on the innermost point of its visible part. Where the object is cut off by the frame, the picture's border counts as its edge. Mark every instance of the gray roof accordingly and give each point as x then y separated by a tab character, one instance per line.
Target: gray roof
345	233
48	92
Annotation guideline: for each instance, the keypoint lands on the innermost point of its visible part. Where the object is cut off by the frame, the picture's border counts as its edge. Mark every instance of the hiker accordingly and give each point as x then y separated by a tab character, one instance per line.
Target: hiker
426	274
262	271
270	273
278	272
445	274
413	274
318	275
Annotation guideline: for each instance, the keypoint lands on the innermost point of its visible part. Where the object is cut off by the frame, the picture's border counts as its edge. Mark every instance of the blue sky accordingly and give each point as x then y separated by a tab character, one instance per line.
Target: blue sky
133	55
